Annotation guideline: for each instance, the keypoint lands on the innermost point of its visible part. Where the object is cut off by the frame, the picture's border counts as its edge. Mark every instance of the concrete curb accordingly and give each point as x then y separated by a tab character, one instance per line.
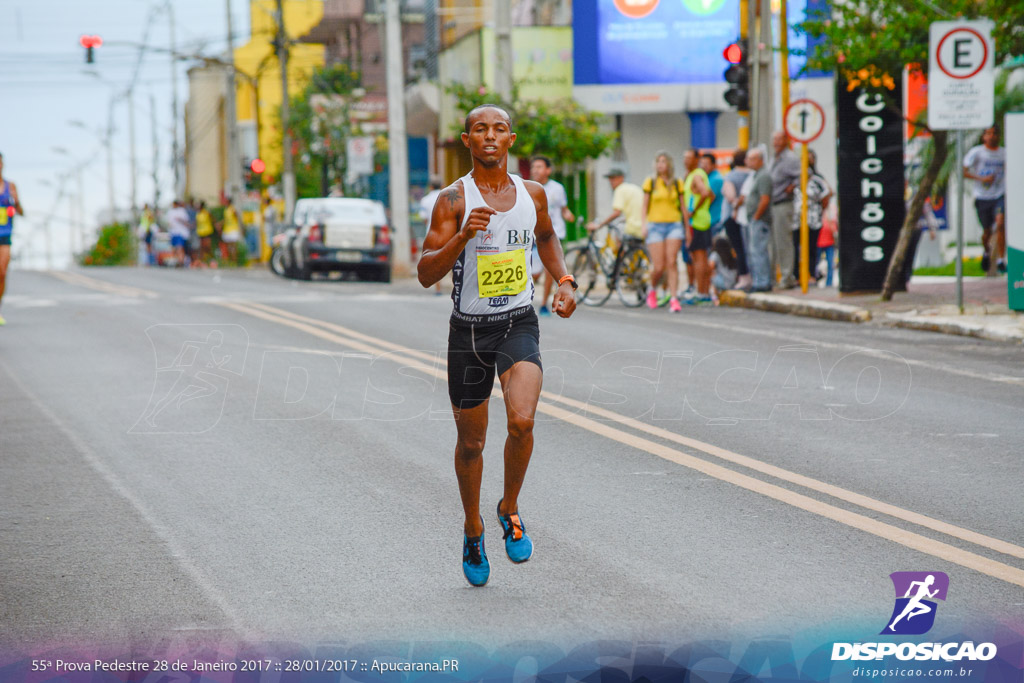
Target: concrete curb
786	304
1005	332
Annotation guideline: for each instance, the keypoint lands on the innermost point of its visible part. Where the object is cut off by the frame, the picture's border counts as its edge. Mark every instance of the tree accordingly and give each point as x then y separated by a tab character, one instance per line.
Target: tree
880	38
561	129
320	125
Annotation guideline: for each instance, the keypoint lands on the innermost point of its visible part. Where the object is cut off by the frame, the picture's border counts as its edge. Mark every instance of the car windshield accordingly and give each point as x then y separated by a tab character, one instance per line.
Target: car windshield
341	212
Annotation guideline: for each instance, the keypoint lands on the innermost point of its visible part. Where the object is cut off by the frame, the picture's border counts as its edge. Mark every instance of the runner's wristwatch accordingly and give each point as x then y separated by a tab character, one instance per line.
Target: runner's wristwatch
572	281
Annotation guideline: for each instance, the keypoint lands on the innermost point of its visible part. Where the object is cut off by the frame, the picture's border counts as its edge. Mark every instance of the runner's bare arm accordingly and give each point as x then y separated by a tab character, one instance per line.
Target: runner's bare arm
446	239
14	197
550	250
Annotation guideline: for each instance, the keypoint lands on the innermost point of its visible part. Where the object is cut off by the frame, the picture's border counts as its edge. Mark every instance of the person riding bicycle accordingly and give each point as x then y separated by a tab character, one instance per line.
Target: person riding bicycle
627	203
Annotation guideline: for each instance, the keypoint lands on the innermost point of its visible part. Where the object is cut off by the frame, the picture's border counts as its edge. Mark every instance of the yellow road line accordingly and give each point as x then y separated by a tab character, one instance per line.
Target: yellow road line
101	285
909	539
729	456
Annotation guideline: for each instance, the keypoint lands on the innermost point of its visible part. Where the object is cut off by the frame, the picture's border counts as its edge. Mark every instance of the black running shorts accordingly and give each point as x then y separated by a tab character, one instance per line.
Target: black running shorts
701	240
477	352
988	209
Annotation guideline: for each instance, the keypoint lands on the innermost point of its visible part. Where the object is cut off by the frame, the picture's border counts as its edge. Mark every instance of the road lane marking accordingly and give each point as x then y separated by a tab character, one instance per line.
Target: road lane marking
715	451
909	539
80	280
1002	379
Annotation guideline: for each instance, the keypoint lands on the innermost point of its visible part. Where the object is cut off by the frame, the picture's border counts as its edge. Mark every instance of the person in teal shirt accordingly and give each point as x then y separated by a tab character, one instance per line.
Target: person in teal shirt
715	182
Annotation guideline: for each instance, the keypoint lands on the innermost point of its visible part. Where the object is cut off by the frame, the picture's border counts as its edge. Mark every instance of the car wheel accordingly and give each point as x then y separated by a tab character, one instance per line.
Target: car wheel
277	263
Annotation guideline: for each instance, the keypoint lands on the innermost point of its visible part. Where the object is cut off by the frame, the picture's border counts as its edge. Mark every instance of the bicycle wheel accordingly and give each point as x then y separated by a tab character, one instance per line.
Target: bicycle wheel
593	289
634	276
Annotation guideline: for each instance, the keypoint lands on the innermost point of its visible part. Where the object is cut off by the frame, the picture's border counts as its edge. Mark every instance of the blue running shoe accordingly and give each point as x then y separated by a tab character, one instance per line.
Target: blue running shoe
517	544
474	560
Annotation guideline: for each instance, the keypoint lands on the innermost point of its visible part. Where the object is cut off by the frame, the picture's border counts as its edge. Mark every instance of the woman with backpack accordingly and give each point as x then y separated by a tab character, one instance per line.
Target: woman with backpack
663	229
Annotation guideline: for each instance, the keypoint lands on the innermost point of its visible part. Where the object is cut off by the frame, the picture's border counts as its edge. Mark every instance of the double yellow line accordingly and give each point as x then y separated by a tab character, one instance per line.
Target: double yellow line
552	405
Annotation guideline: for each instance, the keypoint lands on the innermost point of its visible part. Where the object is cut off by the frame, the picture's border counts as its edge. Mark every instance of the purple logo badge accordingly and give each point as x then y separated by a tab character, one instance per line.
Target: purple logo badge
916	592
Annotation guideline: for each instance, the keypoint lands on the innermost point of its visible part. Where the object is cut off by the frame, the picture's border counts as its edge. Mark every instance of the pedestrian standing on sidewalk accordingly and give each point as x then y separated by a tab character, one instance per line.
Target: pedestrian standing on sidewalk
985	164
827	245
818	196
178	226
697	200
785	172
230	234
723	266
204	230
558	209
758	204
716	182
663	230
735	215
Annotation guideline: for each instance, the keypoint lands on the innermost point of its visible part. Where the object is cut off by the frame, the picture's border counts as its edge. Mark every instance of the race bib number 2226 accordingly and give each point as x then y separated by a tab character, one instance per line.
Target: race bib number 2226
501	274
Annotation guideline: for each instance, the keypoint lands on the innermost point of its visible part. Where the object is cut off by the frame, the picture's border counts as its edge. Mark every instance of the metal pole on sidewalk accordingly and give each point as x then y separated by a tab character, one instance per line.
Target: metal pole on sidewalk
805	247
960	221
174	103
288	163
398	152
503	54
231	118
130	95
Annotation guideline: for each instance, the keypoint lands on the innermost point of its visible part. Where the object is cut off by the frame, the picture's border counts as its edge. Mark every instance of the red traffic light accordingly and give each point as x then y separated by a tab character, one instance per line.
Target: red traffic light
90	41
733	54
258	166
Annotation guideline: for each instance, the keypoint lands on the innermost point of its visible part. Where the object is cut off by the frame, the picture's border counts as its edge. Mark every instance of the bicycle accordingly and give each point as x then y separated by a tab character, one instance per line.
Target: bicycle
607	262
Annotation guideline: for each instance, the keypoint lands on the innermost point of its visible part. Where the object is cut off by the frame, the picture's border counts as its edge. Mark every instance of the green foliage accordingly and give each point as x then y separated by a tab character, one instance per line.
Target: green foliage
115	246
972	268
561	129
881	37
320	125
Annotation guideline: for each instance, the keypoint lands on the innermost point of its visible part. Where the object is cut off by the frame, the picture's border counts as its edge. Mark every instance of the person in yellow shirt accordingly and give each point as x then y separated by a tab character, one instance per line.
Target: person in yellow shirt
663	228
230	233
627	203
204	230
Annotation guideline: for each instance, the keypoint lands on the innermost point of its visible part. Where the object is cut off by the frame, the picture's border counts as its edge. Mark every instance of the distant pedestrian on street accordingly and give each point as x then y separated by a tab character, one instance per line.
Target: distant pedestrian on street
178	227
204	230
558	209
663	229
734	215
827	246
627	204
985	164
785	172
144	232
9	205
758	204
818	195
697	200
230	234
716	182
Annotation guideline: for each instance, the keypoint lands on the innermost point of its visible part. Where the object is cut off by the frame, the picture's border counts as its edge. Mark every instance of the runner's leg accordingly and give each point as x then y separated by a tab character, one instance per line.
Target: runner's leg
471	424
520	386
5	259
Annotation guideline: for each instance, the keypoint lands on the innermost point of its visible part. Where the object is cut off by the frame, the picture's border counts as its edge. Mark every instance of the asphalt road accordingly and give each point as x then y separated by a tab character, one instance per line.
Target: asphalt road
202	454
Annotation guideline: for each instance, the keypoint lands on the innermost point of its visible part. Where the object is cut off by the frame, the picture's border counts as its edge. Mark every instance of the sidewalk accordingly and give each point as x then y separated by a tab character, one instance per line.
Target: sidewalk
930	304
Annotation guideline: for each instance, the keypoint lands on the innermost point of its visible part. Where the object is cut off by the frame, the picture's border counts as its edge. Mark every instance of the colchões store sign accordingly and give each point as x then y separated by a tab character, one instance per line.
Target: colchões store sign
871	207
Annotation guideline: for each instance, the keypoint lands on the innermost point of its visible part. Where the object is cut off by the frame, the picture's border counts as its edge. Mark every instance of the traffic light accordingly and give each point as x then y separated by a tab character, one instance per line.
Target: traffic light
252	174
737	76
89	42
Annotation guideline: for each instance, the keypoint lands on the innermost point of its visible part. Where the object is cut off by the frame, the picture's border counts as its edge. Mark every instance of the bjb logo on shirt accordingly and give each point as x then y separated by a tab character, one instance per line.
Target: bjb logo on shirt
517	237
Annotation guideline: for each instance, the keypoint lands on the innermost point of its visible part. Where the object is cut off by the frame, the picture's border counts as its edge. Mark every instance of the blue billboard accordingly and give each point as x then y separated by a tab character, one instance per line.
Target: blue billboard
652	41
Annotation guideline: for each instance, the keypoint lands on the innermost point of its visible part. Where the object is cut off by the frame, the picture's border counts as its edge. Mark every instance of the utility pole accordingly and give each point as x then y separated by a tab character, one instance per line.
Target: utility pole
288	166
156	151
764	85
109	142
784	53
503	43
743	131
174	102
398	150
129	94
231	119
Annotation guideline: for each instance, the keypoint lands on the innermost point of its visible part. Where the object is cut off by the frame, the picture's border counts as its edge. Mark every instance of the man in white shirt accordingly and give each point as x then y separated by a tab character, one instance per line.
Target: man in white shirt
426	209
558	209
179	226
986	165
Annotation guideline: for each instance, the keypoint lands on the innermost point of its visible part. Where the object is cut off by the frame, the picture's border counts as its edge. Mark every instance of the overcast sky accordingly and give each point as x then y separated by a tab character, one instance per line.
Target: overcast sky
45	85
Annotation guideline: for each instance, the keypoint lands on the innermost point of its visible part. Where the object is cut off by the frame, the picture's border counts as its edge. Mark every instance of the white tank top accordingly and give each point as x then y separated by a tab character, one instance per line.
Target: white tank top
508	231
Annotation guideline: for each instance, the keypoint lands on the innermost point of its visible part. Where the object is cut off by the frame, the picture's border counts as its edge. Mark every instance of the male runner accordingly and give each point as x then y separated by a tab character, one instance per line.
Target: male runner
482	230
986	165
9	205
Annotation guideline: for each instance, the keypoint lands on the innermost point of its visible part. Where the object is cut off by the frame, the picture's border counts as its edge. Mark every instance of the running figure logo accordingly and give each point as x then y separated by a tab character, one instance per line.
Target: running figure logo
916	592
194	366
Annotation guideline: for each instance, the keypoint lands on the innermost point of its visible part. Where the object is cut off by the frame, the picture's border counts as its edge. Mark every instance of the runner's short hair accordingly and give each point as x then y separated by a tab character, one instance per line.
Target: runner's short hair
474	110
